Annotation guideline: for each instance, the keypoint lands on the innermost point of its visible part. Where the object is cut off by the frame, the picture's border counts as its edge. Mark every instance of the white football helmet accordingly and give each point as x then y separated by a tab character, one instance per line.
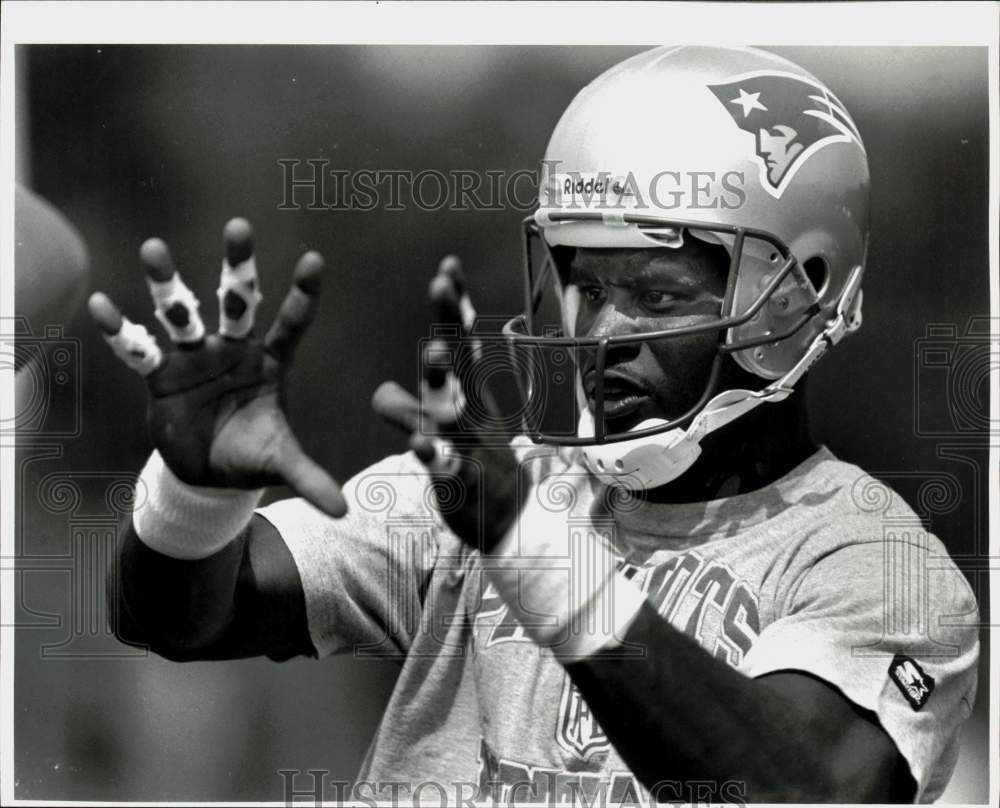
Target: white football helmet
733	146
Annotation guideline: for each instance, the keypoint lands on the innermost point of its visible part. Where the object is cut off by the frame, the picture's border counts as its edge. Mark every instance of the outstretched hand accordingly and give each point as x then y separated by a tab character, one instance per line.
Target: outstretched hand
447	423
216	409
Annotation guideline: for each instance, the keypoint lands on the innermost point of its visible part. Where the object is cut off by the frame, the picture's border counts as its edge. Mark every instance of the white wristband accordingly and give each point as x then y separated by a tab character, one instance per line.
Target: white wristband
187	521
558	576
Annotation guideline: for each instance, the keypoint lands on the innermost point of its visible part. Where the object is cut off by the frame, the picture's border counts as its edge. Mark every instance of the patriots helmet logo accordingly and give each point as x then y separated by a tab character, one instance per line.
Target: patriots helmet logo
790	117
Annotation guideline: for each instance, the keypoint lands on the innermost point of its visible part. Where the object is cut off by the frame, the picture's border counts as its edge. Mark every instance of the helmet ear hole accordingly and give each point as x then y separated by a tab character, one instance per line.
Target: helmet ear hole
818	273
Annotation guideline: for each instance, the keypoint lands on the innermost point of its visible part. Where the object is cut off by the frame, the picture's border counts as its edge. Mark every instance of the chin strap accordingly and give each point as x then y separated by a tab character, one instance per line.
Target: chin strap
659	459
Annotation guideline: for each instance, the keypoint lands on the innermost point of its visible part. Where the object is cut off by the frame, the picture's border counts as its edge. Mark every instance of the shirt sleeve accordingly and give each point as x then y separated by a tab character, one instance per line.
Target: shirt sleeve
365	574
892	624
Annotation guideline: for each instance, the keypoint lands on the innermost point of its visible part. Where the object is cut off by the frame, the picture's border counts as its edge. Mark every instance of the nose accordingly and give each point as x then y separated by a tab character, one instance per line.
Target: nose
766	141
611	319
612	322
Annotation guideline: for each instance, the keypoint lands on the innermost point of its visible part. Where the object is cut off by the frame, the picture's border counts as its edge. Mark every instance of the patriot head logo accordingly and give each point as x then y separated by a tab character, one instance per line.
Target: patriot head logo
790	117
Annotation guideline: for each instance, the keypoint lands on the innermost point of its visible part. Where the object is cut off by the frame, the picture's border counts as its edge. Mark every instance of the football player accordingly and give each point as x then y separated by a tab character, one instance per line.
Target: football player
681	597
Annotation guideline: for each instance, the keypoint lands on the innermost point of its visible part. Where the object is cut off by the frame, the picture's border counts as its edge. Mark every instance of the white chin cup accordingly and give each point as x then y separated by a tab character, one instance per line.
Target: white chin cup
658	459
642	462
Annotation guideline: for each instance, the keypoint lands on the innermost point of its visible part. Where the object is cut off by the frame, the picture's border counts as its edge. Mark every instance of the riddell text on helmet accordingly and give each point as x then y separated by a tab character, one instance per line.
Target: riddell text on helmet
665	190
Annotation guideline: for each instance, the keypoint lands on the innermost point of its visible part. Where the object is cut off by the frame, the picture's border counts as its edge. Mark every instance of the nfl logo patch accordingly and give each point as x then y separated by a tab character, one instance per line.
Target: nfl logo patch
578	731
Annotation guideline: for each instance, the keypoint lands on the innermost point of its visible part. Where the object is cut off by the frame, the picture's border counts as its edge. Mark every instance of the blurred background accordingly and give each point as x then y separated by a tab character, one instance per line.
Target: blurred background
131	142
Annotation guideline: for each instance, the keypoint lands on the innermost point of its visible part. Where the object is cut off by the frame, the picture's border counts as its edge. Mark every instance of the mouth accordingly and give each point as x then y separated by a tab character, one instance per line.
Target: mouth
622	396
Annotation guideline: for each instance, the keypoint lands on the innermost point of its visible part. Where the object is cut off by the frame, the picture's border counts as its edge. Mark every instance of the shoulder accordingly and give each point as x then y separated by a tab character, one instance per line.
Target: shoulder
837	503
851	532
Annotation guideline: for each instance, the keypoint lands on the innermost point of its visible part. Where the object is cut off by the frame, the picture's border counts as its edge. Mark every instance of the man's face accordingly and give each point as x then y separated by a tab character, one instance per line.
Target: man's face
634	291
778	148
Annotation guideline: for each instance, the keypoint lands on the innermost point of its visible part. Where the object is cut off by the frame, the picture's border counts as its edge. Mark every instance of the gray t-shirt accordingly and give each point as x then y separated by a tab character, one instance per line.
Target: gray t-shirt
825	571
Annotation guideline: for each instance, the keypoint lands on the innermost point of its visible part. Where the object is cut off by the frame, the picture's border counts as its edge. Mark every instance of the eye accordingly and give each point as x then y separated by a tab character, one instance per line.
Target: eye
655	299
592	294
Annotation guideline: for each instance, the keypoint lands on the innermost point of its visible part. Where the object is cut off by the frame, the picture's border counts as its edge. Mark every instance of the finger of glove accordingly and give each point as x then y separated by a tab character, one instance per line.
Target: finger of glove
311	481
455	317
176	306
446	306
399	407
460	306
441	393
451	267
239	287
297	309
438	455
129	341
